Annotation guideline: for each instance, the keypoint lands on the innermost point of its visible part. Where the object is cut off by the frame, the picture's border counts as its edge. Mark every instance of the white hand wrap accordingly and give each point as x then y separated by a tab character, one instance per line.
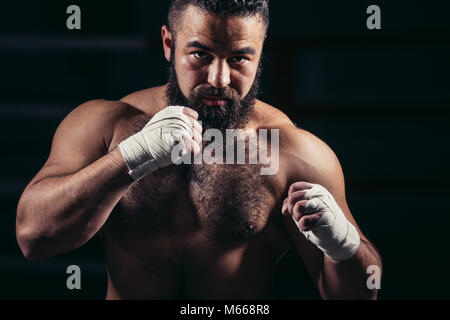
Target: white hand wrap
151	148
333	233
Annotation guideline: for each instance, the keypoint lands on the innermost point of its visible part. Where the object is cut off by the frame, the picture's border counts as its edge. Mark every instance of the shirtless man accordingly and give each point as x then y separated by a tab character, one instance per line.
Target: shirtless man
202	230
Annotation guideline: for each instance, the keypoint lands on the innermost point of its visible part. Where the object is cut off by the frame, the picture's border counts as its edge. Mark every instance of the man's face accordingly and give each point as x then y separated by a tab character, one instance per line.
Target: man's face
216	61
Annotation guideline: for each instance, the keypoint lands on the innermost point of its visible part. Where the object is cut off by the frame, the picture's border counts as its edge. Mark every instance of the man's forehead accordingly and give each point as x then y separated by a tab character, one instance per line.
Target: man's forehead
229	30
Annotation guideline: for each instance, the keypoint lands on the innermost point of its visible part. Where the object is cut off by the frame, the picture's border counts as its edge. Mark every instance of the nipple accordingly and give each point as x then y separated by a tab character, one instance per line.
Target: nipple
251	227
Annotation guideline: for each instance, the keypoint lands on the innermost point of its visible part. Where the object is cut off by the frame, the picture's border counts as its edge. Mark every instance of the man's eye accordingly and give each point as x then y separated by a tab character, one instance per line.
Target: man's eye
200	55
239	59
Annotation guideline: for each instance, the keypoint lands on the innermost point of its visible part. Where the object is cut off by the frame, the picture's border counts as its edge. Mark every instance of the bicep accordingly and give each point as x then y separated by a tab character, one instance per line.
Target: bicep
325	170
317	163
78	141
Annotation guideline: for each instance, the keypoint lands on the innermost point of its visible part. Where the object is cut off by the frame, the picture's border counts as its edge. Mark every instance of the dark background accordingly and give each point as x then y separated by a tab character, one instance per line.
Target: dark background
380	99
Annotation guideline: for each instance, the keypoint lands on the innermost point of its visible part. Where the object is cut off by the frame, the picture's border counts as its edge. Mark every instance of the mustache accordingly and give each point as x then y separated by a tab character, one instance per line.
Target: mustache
226	93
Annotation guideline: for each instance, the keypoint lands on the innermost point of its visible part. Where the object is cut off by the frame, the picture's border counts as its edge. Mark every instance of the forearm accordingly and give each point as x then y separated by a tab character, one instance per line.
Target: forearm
58	214
348	279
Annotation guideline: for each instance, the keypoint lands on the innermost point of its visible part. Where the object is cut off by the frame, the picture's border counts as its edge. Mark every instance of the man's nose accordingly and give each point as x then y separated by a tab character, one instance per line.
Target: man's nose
219	74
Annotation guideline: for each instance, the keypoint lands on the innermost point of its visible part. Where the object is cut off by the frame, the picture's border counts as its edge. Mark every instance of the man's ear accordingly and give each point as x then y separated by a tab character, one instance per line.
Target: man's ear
166	36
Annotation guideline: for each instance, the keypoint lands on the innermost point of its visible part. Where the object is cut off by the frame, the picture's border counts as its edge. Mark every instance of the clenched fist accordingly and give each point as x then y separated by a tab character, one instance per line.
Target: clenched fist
320	219
151	148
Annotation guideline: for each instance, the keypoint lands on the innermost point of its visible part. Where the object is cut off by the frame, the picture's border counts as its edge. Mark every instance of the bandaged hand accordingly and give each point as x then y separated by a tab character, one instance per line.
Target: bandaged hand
321	220
151	148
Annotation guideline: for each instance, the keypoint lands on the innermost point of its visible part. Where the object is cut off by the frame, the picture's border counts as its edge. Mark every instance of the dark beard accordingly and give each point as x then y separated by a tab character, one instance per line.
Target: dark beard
233	115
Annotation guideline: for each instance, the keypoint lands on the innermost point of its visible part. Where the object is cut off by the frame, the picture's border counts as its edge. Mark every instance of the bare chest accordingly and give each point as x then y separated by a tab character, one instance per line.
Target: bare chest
223	202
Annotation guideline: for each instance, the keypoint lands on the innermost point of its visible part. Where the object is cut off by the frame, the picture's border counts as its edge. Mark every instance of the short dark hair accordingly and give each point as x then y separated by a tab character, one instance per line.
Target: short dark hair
220	8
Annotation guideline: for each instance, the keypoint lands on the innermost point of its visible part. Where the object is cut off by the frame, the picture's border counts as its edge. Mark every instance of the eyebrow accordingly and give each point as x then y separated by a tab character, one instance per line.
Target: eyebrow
196	44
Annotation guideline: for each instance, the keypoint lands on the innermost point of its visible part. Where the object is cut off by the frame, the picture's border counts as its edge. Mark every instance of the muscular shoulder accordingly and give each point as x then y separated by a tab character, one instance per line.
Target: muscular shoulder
305	156
149	101
267	116
310	159
82	137
99	111
89	128
300	143
97	117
